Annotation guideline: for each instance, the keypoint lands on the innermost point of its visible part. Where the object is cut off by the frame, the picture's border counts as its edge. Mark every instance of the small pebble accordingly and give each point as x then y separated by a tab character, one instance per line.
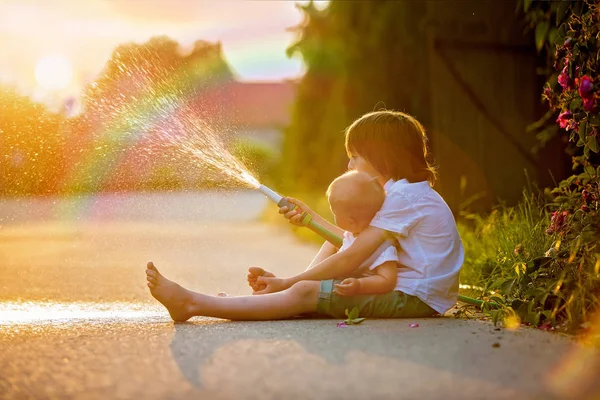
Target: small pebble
496	345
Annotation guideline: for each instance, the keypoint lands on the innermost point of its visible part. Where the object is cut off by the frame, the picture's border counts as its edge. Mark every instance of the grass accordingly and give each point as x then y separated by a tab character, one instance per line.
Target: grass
498	244
539	279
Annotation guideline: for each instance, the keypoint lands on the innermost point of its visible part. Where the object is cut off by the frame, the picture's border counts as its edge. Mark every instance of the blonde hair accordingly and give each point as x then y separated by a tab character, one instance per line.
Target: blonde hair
358	194
394	143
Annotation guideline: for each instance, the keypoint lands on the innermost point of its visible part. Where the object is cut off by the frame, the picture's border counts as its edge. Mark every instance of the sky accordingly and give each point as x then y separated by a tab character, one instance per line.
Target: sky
82	34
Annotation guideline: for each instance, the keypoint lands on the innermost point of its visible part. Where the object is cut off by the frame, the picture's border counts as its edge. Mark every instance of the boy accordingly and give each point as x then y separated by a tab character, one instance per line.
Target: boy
354	199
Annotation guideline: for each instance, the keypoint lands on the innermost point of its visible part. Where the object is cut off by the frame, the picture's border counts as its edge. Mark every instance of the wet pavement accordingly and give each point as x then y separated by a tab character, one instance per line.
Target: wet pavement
76	320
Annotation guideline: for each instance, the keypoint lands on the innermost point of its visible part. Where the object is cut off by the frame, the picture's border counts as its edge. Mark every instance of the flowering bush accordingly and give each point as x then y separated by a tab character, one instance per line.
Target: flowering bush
551	272
573	91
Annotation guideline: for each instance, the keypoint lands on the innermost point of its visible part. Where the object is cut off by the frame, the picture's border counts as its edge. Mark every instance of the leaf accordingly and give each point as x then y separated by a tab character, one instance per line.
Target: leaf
520	268
495	316
589	170
346	311
583	128
562	31
353	314
541	32
357	321
592	143
527	5
561	12
552	35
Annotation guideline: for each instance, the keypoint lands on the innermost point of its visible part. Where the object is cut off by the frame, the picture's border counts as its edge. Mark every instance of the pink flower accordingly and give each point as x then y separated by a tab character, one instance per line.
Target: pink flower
584	208
342	325
568	43
549	94
557	222
563	78
518	250
588	103
413	325
560	53
585	87
586	196
546	326
563	119
572	125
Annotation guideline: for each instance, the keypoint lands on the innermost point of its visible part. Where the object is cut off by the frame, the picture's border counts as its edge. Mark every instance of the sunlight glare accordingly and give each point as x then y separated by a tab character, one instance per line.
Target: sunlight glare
54	72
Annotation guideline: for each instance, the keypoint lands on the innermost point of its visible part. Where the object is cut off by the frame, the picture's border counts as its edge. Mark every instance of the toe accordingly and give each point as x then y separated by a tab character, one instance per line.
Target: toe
151	278
151	285
151	266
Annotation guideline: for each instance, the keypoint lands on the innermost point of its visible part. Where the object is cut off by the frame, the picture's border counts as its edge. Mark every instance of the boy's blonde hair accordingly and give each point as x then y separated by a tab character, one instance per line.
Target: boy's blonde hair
358	194
394	143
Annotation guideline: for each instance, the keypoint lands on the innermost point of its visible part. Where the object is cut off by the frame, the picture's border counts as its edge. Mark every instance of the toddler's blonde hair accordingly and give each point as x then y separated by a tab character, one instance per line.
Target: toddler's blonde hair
358	194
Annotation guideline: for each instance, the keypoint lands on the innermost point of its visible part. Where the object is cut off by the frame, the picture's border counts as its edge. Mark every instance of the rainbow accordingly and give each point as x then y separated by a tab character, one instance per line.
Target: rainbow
144	114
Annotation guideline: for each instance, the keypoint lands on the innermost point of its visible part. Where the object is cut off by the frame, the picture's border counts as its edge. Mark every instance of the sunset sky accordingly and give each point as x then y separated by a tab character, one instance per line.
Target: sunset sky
44	39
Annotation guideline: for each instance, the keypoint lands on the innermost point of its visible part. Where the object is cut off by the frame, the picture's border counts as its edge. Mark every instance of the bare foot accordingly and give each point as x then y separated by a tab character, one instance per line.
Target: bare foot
254	273
176	299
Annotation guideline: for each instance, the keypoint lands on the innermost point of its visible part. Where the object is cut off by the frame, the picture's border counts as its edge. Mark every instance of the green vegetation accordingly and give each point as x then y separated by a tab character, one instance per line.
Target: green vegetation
359	56
258	157
539	259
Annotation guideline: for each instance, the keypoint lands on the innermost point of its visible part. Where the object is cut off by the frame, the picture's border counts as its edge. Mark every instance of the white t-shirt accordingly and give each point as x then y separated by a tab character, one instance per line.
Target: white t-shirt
385	252
431	253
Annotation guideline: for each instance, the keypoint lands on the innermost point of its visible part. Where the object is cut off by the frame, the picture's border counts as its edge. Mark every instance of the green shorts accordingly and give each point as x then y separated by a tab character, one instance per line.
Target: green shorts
394	304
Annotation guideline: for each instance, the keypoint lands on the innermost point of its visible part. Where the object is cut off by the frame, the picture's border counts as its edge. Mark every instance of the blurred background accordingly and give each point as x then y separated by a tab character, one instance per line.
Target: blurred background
279	81
88	89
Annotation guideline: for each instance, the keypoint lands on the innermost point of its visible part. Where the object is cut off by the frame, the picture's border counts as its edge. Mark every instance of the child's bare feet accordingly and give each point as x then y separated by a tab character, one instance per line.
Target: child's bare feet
254	273
176	299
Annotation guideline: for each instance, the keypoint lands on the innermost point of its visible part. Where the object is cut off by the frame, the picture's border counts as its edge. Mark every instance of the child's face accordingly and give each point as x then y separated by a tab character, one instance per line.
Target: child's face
343	219
358	163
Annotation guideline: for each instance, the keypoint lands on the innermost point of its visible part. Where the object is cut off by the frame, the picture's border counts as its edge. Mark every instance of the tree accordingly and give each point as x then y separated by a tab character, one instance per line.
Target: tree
31	146
360	56
140	90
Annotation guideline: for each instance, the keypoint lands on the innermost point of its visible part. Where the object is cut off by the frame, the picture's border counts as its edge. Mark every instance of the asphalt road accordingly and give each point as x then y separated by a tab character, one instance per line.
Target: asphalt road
76	320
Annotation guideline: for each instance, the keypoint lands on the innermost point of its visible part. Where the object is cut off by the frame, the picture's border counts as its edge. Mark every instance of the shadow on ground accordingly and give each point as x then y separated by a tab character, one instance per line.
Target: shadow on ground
444	355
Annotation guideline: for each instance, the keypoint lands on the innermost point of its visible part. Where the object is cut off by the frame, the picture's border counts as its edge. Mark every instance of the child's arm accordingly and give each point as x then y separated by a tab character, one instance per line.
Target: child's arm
341	264
294	216
327	250
383	281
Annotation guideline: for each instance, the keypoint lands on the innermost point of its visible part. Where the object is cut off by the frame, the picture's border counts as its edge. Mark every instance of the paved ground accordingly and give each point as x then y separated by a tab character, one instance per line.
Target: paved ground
76	320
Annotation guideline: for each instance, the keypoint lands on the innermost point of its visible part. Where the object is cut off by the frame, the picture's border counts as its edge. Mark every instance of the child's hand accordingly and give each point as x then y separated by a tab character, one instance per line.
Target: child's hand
294	216
348	287
253	274
270	285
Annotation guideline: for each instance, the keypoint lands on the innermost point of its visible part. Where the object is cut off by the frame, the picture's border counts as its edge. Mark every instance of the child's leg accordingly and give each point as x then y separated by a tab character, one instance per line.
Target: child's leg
183	304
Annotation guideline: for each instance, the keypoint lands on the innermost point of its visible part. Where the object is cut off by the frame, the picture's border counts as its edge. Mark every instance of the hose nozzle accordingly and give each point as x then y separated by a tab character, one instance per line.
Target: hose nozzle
306	219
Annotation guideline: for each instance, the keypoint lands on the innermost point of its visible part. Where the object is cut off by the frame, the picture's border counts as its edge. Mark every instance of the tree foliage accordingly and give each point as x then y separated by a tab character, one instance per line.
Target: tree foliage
360	56
105	147
552	275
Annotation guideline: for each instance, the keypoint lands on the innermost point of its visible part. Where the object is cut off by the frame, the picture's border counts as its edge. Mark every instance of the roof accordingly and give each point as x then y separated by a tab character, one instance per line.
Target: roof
252	104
